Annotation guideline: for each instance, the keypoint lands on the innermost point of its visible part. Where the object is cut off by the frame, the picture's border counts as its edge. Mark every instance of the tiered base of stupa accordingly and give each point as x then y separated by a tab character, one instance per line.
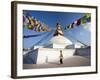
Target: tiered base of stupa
50	55
45	55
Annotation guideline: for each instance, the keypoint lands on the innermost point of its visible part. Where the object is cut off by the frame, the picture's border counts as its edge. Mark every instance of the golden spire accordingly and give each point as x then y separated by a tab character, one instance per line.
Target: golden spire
58	30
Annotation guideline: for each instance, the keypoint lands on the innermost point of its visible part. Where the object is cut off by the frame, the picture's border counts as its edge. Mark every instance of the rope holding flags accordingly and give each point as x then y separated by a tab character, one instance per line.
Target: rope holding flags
82	21
33	24
34	35
29	36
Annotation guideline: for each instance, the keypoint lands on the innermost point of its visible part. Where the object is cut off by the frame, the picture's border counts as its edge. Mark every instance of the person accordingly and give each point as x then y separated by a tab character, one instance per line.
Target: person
61	57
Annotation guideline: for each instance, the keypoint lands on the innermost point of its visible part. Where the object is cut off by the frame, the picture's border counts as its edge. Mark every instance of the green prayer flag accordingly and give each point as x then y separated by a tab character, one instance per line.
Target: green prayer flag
88	15
30	27
83	20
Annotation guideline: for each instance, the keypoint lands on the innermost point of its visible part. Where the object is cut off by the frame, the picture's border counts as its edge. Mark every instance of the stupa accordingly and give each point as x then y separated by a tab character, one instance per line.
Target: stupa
50	53
58	40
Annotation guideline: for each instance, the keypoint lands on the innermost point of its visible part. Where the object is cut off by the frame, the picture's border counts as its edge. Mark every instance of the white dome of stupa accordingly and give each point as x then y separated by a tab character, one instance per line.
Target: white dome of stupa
60	40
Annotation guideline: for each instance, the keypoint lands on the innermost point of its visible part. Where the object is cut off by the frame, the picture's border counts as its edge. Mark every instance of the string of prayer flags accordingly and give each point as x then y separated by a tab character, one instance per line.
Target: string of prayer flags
33	24
82	21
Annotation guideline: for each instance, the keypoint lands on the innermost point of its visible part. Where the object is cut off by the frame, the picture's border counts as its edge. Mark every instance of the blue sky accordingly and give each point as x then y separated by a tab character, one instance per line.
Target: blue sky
51	18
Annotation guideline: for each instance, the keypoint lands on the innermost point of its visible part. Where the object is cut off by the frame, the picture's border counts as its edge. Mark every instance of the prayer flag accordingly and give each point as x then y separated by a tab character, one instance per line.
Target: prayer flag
25	21
30	27
88	19
75	22
78	22
72	25
88	15
69	26
83	20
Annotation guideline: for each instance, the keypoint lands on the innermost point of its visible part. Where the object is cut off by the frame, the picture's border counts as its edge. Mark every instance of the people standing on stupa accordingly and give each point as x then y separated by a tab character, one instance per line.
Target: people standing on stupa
61	57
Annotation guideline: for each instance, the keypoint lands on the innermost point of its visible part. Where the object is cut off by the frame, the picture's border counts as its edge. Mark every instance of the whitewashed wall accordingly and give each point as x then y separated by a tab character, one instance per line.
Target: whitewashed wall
46	55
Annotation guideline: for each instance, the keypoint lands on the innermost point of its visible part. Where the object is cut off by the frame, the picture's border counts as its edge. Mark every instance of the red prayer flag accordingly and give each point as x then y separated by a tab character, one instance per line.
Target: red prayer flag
78	22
